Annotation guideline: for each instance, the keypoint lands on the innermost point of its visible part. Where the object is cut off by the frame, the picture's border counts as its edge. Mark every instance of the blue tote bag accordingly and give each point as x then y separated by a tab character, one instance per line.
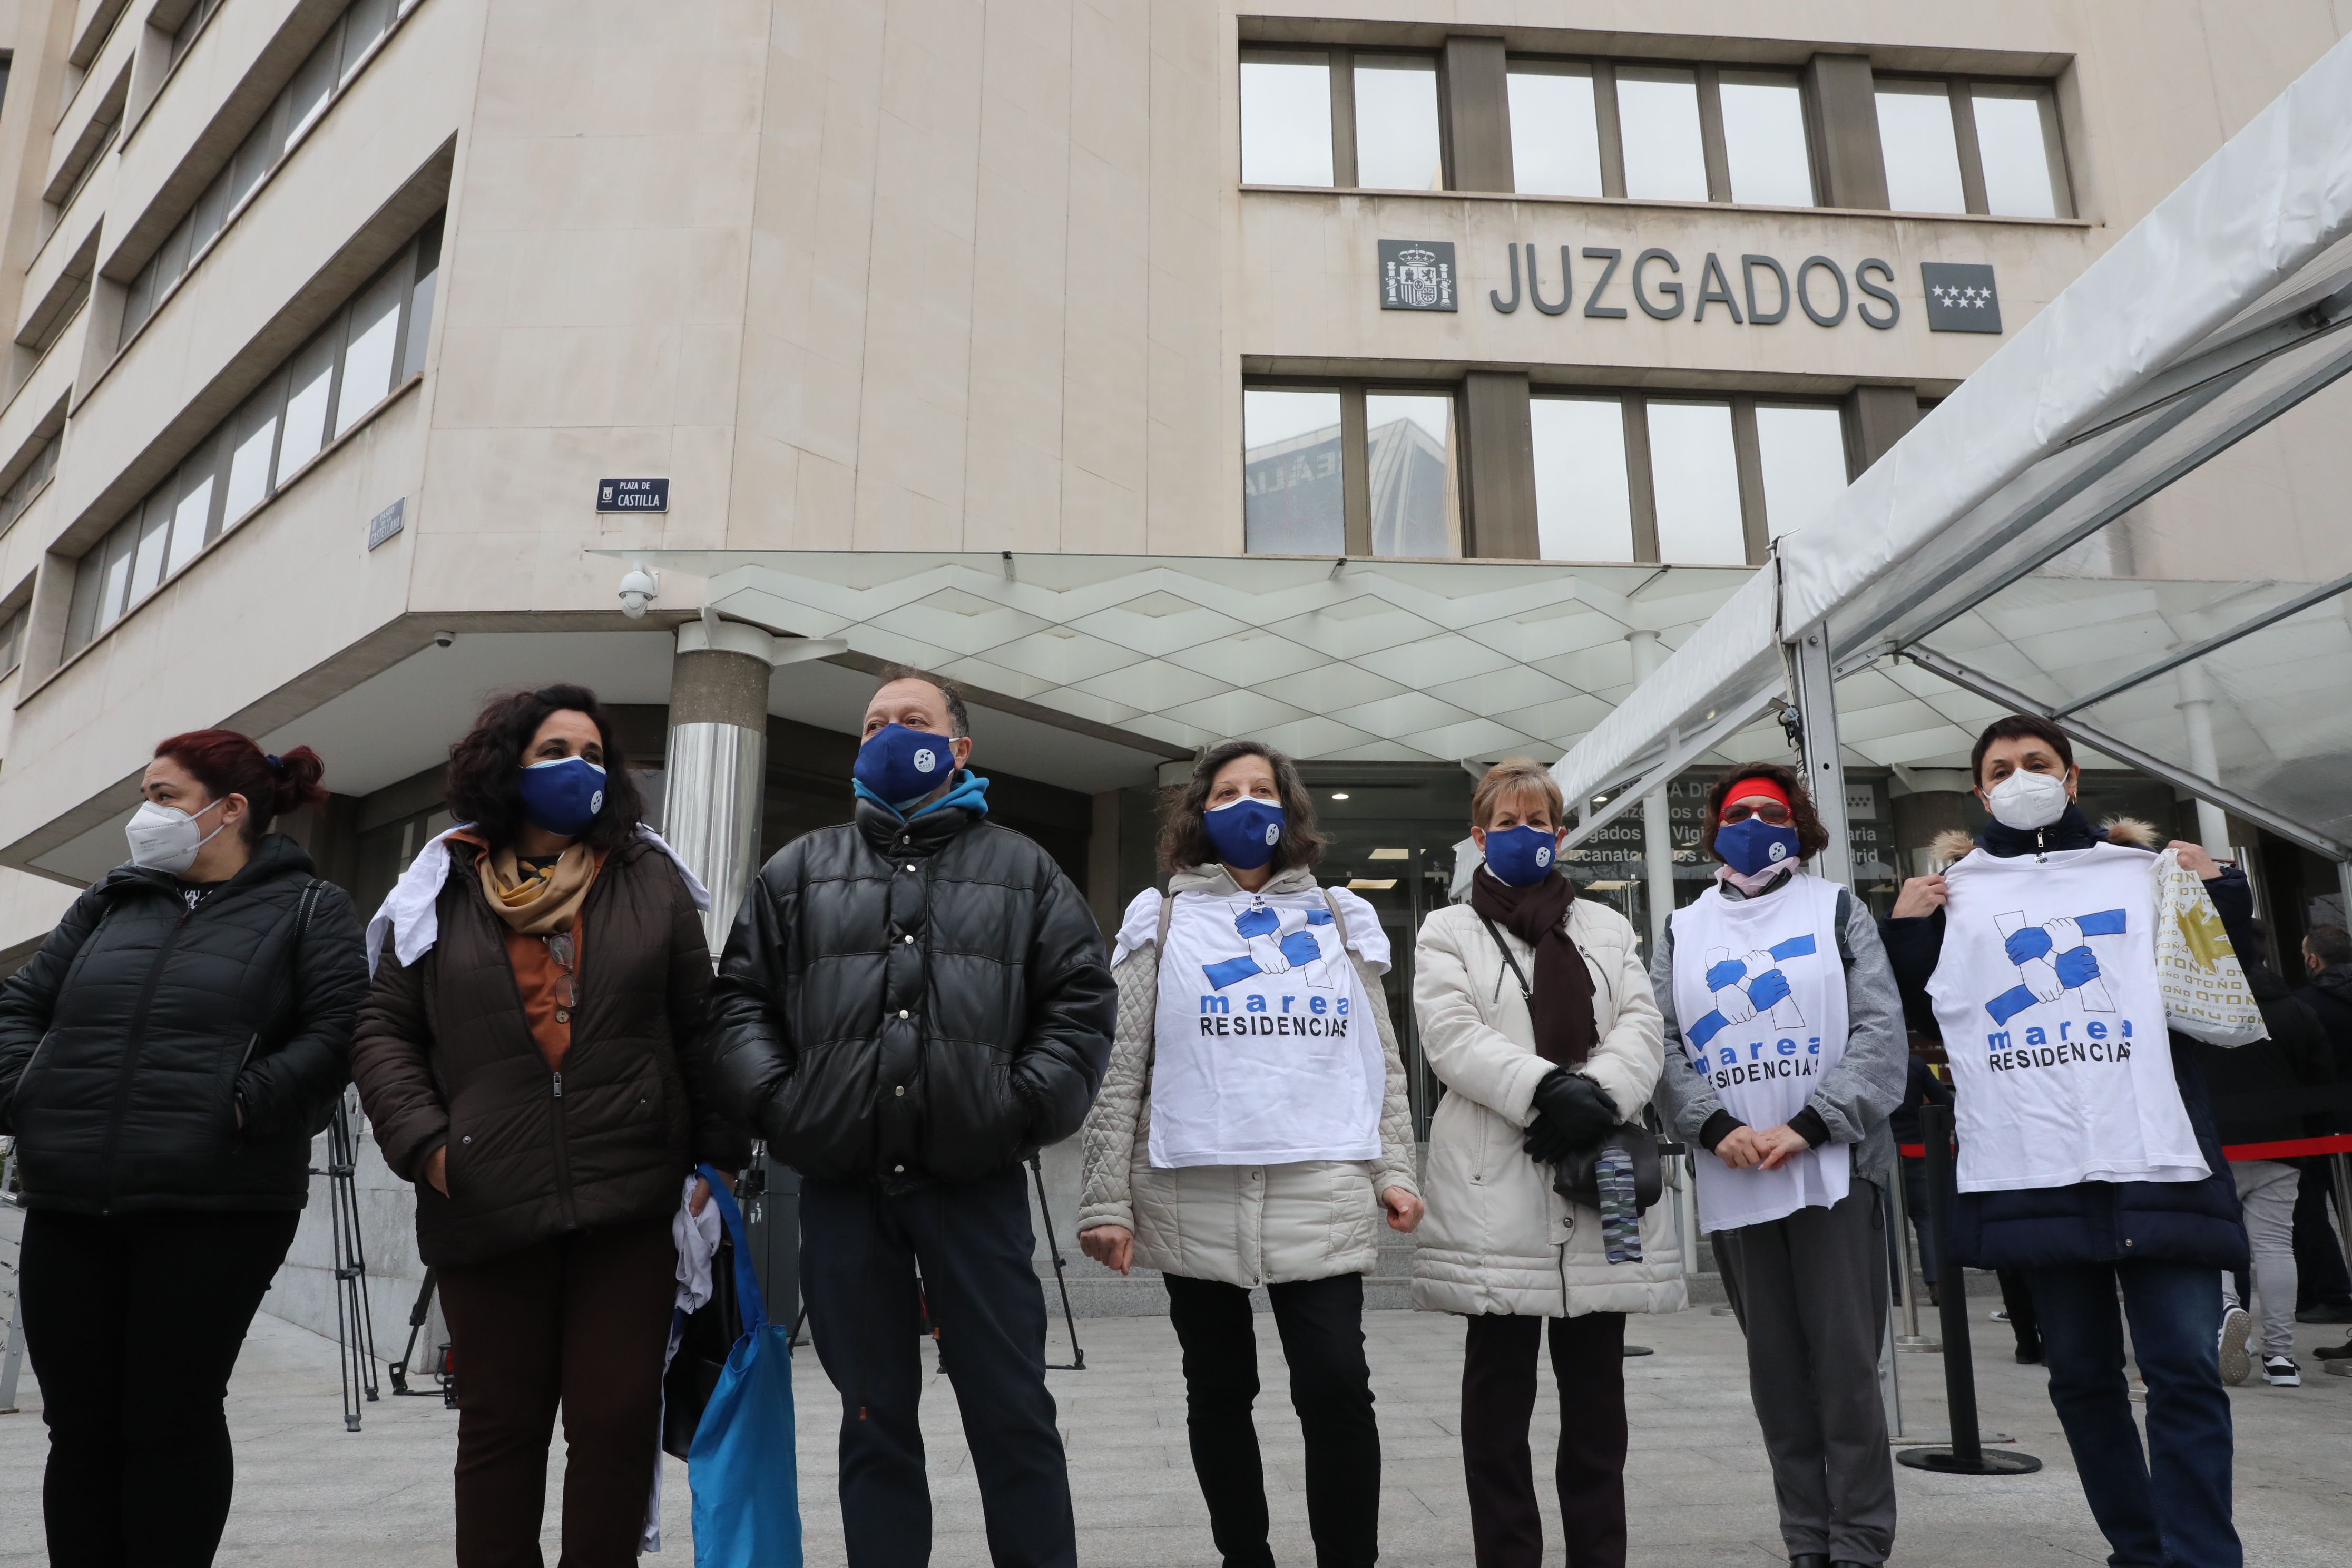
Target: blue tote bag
743	1464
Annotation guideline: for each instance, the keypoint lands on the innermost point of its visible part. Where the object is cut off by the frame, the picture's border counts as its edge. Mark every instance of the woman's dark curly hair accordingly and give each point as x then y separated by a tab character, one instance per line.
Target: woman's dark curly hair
1184	840
1811	837
485	768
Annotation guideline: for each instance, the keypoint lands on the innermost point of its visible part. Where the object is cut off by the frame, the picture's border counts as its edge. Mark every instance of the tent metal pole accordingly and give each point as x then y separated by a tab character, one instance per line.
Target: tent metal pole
1657	822
2124	752
1813	686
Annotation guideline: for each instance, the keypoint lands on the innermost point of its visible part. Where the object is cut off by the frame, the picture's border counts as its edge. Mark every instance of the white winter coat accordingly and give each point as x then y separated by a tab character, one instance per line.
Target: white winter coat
1239	1225
1497	1239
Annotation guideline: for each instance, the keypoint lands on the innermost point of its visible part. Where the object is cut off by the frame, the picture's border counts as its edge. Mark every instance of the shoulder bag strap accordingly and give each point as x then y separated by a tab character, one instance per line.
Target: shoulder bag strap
1526	992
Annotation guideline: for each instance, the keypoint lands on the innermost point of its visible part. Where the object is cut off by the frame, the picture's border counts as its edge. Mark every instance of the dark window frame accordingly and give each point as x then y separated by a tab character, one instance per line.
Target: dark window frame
1355	451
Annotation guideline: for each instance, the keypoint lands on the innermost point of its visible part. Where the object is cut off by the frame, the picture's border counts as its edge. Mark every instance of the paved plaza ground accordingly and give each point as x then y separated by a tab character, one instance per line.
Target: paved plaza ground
310	1494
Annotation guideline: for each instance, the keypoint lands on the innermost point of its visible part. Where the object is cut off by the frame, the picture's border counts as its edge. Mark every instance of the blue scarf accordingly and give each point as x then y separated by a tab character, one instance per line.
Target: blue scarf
969	790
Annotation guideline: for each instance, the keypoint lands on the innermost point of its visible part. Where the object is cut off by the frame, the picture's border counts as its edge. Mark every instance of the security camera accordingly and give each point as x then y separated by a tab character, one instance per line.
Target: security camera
637	587
443	639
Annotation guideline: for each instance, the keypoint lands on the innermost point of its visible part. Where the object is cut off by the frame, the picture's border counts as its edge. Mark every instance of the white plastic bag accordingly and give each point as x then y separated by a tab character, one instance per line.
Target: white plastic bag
2205	993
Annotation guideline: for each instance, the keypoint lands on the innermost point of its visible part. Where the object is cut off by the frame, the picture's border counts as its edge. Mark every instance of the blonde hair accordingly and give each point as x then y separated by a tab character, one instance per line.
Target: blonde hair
1513	777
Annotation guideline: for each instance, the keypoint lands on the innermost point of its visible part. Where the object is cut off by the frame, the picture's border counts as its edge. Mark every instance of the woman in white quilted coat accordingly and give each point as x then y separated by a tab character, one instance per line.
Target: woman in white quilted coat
1541	1053
1253	1130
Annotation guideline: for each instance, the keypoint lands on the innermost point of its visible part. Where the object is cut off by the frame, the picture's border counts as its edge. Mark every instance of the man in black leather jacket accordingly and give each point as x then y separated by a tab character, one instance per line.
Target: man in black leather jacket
908	1006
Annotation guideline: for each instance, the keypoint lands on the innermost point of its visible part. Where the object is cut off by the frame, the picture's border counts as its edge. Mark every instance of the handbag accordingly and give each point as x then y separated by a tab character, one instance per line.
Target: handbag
742	1462
1577	1178
2204	986
705	1338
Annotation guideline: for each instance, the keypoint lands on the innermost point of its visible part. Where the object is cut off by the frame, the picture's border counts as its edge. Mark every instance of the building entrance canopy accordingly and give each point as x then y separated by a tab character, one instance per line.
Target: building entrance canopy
1356	661
2013	544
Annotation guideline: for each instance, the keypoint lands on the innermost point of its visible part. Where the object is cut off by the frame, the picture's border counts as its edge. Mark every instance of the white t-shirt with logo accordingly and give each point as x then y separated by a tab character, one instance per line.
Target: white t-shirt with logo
1759	993
1267	1051
2046	993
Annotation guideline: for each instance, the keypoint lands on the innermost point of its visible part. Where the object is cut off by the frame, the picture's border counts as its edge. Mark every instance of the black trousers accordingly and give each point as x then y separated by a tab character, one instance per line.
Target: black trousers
859	1251
1321	1322
132	1324
1498	1400
2321	1278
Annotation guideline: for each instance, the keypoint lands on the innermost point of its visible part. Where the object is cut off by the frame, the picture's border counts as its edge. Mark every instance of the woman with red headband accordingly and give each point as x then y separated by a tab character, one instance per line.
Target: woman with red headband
1778	996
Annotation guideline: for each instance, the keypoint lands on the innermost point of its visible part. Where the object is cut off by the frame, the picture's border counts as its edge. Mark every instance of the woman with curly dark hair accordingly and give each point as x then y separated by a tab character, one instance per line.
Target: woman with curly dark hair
532	1058
1780	999
1252	1130
166	1059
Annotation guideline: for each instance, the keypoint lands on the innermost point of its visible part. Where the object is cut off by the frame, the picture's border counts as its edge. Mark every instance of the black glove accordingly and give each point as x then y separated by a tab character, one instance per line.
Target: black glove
1572	1114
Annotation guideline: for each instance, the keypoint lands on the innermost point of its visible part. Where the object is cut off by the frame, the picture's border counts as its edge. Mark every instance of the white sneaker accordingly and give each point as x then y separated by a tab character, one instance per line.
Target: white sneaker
2237	1327
2281	1372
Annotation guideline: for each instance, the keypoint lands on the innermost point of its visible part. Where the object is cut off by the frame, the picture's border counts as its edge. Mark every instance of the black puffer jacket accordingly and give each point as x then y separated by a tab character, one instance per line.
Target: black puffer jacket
910	1001
130	1041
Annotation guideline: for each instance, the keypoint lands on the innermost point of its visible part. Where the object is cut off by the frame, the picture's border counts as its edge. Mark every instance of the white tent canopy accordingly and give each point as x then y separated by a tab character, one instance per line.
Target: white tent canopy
1985	546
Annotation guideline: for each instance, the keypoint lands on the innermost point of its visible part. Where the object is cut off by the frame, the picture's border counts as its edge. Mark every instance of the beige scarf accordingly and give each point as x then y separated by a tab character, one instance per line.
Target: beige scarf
538	905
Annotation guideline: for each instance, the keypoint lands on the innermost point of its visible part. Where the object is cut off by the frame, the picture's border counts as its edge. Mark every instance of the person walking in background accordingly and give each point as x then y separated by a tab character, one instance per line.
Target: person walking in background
1537	1016
1921	1088
532	1058
910	1006
2094	1167
166	1059
2258	1090
2319	1254
1787	1056
1230	1157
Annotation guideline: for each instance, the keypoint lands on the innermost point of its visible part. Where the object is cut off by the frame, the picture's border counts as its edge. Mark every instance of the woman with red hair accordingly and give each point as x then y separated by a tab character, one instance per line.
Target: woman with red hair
166	1059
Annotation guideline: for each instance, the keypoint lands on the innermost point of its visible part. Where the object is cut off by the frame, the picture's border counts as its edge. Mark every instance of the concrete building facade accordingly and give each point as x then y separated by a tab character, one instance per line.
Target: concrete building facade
1397	385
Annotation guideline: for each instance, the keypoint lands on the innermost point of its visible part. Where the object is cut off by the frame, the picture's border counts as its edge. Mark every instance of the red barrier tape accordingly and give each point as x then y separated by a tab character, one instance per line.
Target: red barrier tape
2291	1148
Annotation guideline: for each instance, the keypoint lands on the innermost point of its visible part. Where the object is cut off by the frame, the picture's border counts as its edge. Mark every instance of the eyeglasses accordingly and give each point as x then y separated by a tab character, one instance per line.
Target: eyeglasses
560	948
1770	812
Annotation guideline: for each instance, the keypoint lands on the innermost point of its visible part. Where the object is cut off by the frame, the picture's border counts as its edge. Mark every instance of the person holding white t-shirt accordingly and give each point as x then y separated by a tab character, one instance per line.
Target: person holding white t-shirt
1786	1054
2088	1158
1253	1130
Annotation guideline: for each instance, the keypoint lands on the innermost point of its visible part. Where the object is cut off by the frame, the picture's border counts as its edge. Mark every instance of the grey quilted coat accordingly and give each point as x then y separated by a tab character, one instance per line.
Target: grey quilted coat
1239	1225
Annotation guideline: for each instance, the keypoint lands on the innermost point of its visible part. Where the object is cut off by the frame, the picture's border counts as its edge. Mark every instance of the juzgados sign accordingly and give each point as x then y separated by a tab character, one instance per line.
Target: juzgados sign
1419	275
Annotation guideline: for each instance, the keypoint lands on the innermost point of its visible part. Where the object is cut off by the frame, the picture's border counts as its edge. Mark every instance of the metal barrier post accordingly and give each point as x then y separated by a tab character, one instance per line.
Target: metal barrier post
1967	1455
1910	1338
2340	1167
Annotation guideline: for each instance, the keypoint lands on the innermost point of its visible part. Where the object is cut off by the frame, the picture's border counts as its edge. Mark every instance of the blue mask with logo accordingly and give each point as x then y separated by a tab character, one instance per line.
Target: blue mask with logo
564	796
900	766
1244	831
1754	847
1521	857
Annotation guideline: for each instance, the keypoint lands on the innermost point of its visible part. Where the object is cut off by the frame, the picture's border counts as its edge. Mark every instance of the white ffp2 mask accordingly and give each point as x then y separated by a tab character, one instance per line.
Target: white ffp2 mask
165	838
2027	801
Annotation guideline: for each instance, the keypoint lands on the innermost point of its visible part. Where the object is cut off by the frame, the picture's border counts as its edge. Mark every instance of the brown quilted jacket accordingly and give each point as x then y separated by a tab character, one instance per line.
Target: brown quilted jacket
444	1057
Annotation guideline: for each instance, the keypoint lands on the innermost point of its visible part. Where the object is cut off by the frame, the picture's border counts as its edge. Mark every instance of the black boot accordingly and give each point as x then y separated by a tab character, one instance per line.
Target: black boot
1809	1560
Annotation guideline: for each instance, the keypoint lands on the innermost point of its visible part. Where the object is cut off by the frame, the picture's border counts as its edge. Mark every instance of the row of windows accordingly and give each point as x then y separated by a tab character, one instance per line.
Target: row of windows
1579	128
332	66
332	382
1619	476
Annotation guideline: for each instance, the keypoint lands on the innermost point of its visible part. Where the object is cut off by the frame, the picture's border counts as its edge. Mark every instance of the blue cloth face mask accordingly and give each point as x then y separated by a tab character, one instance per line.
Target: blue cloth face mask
1521	857
900	766
564	796
1244	831
1754	847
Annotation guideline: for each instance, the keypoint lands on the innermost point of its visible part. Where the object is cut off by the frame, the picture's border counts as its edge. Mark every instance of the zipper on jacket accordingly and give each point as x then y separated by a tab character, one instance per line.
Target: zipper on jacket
132	1050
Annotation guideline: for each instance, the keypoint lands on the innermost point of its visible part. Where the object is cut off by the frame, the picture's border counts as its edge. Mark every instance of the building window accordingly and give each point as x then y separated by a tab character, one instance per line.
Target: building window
1287	119
1555	128
1657	115
1685	480
12	639
1584	510
189	26
1764	139
1397	146
1801	449
1351	469
1959	145
371	346
349	43
30	483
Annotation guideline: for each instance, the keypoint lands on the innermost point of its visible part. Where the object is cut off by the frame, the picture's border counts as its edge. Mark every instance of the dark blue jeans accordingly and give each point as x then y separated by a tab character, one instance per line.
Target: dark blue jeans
2170	1509
859	1250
